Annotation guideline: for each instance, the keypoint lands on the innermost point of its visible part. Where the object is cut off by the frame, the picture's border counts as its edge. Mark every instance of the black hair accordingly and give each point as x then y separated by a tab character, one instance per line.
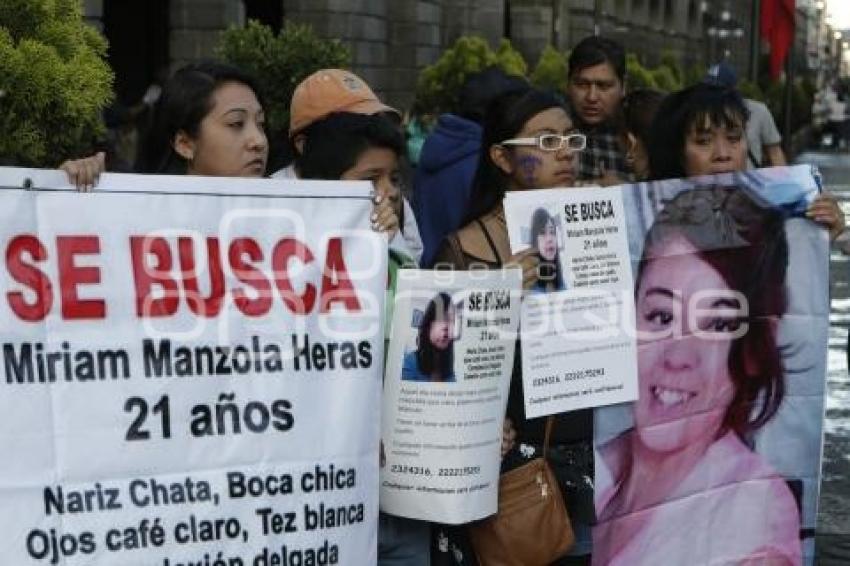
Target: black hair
683	111
596	50
333	144
428	358
506	116
639	109
482	87
186	99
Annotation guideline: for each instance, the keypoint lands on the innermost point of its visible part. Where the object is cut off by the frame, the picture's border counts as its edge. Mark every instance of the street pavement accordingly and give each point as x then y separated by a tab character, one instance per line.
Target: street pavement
833	538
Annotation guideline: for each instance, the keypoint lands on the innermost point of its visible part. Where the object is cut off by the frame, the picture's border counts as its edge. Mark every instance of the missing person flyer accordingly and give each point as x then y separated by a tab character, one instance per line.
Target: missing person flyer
446	384
577	322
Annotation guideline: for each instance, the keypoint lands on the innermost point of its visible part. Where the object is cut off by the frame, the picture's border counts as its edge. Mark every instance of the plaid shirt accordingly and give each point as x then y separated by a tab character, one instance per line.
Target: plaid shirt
603	153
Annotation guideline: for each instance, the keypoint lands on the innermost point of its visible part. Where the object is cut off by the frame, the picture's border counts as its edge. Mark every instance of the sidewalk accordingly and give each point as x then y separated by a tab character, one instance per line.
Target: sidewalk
833	531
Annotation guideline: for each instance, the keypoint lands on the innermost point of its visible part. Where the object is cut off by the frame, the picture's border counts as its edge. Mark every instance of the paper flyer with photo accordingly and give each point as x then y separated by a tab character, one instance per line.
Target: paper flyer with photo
448	373
718	461
578	350
191	371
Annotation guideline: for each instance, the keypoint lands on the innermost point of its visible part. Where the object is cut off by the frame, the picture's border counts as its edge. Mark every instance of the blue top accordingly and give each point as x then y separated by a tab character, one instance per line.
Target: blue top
443	180
410	370
540	287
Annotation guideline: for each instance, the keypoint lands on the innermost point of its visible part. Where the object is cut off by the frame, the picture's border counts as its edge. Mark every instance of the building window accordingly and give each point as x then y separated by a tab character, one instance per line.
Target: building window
639	10
655	11
268	12
693	13
138	35
620	8
669	14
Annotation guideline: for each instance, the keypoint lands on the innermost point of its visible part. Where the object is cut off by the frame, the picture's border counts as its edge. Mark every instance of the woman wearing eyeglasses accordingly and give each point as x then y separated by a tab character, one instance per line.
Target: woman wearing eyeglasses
529	141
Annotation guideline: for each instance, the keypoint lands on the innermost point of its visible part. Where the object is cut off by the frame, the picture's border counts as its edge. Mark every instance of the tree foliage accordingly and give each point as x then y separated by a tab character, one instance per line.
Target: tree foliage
279	62
54	82
638	76
439	84
550	73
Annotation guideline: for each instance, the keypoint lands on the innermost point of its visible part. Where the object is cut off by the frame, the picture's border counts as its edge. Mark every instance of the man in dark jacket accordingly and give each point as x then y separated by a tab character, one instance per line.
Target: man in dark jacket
449	160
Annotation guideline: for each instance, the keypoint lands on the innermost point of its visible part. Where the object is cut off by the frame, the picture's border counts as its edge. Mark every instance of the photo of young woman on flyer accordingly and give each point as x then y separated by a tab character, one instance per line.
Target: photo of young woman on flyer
433	359
684	485
544	238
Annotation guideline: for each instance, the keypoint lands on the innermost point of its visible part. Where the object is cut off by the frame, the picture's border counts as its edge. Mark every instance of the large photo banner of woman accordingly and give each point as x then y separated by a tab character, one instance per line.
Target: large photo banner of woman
449	363
718	461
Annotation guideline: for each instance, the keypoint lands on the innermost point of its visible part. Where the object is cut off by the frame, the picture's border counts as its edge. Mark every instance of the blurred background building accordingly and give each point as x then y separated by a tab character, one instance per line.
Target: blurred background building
392	40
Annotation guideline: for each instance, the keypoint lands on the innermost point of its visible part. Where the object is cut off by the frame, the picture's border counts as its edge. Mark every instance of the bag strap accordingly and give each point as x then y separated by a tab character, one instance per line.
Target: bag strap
549	422
490	241
459	260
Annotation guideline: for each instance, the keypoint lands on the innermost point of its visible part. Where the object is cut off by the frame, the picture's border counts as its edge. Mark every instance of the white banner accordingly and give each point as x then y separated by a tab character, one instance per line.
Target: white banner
719	460
191	371
448	373
578	348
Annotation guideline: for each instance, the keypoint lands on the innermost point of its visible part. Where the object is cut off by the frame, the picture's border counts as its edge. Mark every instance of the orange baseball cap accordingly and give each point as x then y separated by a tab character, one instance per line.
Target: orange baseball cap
331	90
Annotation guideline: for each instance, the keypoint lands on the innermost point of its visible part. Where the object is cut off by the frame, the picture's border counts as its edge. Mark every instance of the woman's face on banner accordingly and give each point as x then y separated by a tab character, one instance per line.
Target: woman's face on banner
547	241
442	329
686	319
711	149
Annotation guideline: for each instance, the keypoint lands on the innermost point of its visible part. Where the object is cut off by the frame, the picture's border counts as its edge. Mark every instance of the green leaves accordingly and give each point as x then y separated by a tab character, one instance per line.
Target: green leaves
667	77
54	81
279	62
439	84
551	70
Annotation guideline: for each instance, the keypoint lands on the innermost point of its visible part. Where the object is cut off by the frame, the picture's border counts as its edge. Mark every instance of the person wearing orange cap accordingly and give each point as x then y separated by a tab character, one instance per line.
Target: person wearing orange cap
333	91
338	132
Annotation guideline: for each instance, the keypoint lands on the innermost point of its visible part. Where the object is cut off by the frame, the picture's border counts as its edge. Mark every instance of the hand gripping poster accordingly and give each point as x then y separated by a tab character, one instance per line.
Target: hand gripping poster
577	348
718	460
191	371
449	365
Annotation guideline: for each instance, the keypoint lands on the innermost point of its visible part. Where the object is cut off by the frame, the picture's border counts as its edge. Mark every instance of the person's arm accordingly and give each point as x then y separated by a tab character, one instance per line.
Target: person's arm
775	155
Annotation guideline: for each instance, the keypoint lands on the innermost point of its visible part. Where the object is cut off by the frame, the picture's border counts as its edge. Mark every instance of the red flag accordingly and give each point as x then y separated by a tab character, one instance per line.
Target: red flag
777	27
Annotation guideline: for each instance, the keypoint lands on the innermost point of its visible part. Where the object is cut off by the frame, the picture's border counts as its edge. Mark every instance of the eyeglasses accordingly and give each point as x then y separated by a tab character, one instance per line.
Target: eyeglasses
552	142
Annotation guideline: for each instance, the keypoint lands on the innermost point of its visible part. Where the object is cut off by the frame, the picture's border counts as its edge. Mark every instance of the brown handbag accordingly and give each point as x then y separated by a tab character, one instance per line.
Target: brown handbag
531	527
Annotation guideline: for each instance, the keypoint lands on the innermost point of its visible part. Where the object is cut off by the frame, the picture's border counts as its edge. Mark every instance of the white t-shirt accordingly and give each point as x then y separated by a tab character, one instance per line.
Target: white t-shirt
761	131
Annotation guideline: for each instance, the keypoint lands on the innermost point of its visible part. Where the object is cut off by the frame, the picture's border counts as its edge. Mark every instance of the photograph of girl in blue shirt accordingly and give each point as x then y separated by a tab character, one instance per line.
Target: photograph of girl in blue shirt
433	359
544	237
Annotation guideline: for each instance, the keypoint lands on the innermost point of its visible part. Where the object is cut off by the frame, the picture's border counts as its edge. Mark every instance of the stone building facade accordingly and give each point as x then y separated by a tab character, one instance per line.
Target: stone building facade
392	40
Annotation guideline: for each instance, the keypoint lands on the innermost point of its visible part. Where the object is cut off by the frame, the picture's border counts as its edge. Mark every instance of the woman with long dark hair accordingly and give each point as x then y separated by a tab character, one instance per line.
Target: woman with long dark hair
529	141
209	120
544	238
709	292
433	359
